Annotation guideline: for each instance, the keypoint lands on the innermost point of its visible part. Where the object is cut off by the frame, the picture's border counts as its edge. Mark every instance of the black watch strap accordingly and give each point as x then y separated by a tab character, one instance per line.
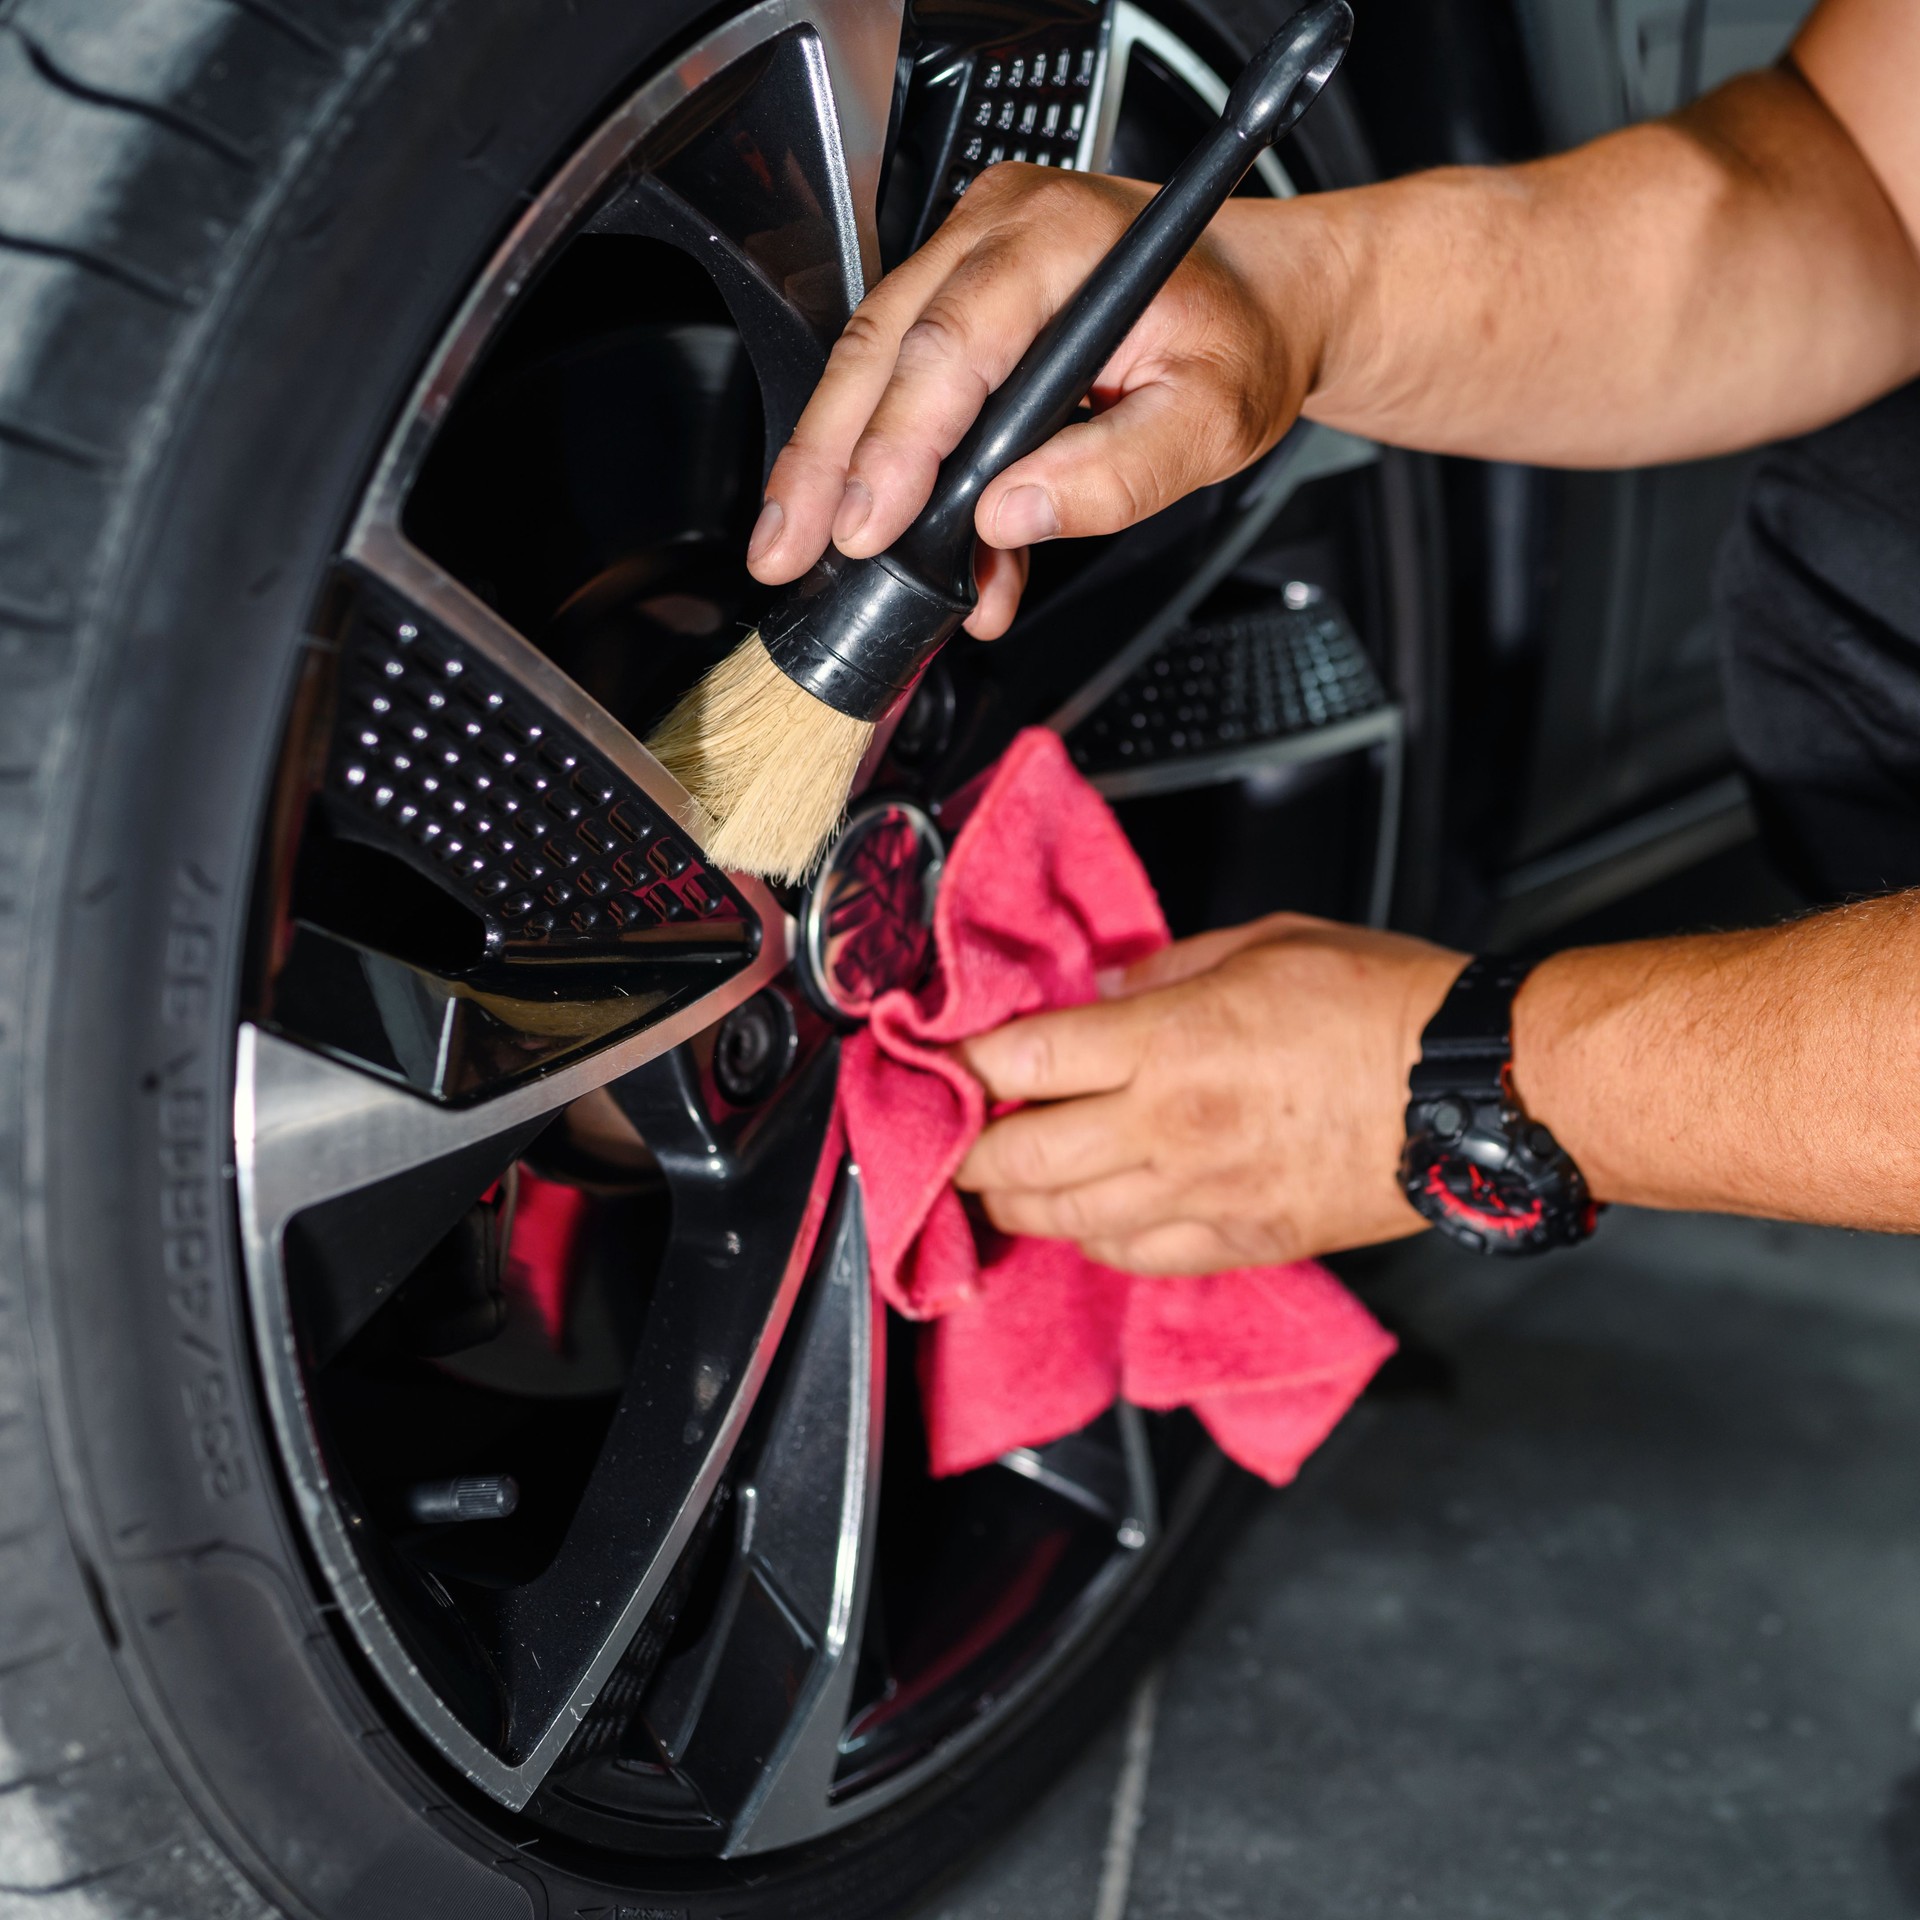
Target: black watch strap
1469	1041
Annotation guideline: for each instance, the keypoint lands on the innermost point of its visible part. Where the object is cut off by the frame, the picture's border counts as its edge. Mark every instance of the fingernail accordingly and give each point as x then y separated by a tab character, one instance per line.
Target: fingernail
766	530
1026	515
1108	981
855	504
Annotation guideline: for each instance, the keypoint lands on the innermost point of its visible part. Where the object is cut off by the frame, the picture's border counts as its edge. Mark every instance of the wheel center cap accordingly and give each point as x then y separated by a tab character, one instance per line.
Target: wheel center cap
867	926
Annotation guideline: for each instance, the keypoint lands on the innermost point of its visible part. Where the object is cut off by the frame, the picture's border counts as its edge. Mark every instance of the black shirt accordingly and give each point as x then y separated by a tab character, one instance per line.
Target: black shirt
1818	599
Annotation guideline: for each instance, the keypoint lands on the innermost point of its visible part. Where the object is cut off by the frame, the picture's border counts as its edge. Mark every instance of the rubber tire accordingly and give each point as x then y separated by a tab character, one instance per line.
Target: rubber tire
229	232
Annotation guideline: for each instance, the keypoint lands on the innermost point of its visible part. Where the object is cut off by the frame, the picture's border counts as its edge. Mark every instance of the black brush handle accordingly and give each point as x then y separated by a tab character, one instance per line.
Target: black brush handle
857	633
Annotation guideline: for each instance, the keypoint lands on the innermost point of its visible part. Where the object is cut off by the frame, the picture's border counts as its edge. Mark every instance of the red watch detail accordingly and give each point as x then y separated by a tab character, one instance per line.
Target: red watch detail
1494	1217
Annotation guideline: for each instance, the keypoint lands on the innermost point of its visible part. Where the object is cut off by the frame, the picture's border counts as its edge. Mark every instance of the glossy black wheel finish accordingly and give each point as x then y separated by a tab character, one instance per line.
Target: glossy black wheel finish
534	1180
466	859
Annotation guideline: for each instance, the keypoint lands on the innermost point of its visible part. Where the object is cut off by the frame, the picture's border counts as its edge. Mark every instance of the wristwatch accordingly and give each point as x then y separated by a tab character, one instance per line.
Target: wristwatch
1474	1164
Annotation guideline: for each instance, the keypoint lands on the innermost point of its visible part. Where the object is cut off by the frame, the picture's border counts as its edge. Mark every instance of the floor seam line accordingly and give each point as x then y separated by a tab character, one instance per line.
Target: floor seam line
1129	1801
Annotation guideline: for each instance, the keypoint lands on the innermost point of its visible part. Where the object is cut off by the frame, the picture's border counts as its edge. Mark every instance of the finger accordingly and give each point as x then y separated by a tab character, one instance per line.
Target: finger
1001	573
1040	1149
1184	1247
963	343
808	481
809	478
1055	1056
1158	442
1118	1207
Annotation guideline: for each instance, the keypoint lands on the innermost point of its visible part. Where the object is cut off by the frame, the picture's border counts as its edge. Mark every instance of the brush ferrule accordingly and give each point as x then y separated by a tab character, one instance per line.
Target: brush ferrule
855	633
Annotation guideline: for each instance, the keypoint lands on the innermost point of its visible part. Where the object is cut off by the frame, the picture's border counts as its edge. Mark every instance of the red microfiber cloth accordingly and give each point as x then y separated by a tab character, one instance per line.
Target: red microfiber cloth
1041	893
547	1217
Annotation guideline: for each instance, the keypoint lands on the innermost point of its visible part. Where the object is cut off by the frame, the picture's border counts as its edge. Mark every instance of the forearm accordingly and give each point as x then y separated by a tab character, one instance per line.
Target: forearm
1774	1073
1681	288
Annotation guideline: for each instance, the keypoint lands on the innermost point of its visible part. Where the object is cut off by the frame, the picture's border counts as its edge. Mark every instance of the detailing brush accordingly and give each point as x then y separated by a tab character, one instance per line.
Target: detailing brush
770	741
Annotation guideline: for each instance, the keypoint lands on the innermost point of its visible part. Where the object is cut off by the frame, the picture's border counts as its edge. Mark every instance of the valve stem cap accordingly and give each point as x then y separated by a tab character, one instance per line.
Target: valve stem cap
446	1503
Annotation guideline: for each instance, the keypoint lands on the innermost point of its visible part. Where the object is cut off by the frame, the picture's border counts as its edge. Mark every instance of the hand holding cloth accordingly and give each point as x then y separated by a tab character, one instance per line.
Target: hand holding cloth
1029	1339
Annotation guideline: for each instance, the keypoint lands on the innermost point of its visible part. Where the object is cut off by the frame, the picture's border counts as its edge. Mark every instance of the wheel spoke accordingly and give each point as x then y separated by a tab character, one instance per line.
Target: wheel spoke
860	47
784	160
487	877
310	1129
1129	31
774	187
412	590
761	1736
720	1305
1309	452
1087	636
1105	1471
857	42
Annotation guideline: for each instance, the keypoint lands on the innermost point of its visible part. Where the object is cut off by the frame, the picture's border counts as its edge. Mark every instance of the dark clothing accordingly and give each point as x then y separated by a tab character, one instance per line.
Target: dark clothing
1818	597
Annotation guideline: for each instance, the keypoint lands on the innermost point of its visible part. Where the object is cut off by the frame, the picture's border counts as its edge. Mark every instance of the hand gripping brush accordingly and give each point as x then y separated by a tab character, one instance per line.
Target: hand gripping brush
770	741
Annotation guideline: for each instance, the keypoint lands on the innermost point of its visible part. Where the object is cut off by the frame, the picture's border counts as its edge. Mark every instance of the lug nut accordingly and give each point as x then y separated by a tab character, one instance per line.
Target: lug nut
926	727
754	1048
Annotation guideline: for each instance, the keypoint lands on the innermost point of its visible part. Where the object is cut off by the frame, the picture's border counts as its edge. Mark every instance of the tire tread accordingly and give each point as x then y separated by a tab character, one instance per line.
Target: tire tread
137	140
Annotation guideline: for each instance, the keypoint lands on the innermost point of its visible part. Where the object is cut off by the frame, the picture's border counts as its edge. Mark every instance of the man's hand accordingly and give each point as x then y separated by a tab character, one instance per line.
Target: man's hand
1204	384
1239	1099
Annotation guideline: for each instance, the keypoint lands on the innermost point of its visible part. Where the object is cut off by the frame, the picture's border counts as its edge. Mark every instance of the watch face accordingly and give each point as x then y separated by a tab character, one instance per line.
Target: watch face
1501	1205
1500	1185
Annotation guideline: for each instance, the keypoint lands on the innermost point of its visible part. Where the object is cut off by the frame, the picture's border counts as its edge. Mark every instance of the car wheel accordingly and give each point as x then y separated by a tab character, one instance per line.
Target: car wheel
450	1458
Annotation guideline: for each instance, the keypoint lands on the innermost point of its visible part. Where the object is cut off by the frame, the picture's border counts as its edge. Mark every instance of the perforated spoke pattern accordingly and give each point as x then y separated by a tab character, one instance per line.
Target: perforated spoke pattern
1233	683
435	754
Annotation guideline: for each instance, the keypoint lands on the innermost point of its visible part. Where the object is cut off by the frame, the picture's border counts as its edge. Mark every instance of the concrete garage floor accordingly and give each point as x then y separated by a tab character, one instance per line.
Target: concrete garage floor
1606	1604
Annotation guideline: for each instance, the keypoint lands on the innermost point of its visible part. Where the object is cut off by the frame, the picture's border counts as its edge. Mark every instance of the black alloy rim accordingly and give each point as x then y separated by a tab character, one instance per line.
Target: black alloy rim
610	1466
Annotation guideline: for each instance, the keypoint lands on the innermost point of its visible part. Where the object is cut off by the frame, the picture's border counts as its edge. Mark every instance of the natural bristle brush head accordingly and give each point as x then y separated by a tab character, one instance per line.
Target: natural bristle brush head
771	765
770	742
